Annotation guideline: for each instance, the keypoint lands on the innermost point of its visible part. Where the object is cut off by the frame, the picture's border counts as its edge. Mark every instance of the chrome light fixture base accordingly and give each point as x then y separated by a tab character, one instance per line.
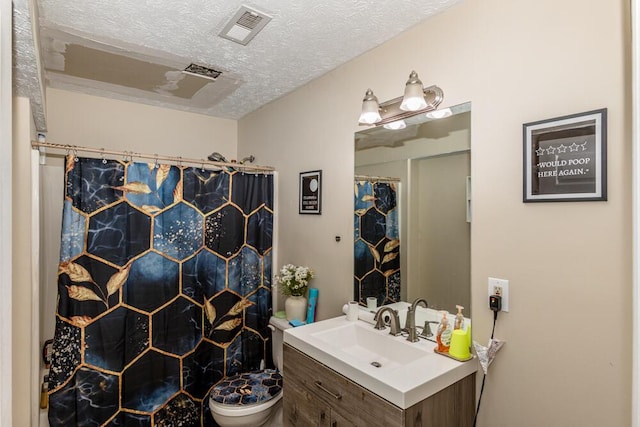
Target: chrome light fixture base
390	110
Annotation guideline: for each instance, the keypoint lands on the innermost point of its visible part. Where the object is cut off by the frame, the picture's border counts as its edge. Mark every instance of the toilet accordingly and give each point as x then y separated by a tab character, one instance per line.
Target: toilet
252	399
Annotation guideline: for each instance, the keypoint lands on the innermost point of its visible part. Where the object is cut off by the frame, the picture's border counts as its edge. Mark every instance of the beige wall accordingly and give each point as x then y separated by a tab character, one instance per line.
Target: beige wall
569	264
91	121
22	331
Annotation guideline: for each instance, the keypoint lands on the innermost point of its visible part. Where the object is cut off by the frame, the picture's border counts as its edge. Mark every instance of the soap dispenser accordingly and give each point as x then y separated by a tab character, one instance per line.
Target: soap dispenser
443	337
459	322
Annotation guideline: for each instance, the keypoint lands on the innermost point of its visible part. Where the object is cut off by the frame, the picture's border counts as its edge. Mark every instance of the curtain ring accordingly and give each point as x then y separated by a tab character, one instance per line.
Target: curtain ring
75	155
104	161
157	165
180	161
202	167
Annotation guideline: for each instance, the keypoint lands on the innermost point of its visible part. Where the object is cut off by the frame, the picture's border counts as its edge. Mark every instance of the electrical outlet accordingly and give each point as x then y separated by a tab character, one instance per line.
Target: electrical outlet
500	287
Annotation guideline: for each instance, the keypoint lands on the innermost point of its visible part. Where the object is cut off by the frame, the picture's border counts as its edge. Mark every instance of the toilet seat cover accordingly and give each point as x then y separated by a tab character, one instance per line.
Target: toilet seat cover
248	388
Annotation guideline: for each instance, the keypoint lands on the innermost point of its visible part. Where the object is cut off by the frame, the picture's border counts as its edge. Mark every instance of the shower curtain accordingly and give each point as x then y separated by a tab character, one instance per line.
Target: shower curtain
377	242
163	289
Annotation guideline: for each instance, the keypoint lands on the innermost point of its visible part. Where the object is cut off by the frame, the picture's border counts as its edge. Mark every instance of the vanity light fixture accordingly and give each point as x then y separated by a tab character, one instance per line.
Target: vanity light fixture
439	114
416	100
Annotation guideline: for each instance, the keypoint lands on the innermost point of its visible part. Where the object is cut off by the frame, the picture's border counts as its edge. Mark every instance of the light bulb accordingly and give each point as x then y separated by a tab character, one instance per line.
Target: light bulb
397	125
439	114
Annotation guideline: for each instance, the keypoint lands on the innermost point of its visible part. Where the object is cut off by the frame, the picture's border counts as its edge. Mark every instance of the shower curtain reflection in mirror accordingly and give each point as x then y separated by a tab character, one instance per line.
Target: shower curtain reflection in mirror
377	241
163	289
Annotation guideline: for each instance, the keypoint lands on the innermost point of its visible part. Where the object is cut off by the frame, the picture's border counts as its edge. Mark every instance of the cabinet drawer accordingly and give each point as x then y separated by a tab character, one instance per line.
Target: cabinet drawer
355	404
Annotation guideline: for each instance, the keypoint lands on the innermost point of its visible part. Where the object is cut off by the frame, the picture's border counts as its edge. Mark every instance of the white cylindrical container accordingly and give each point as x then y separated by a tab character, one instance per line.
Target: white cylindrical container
372	303
352	311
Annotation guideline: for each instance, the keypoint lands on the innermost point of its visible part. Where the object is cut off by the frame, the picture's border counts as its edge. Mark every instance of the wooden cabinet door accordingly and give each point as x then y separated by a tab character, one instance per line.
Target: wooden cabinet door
338	420
301	408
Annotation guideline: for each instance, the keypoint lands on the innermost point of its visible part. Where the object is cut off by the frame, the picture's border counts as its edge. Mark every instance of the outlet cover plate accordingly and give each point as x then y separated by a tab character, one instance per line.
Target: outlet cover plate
504	285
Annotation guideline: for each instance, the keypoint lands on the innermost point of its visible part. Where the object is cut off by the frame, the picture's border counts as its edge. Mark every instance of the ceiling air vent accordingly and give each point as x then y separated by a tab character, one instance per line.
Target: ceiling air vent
202	71
244	25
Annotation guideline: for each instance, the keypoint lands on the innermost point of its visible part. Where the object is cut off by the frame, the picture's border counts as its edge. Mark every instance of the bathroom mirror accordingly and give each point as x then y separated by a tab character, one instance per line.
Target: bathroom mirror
412	214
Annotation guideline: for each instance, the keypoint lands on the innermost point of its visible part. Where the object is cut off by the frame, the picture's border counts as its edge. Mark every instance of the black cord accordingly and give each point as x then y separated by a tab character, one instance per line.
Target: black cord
484	377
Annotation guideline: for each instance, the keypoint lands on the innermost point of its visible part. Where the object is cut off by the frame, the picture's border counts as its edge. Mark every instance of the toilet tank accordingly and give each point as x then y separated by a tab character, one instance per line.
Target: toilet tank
277	326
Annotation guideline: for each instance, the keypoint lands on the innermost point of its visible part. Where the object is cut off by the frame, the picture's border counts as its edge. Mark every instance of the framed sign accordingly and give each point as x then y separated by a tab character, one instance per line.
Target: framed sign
310	192
565	159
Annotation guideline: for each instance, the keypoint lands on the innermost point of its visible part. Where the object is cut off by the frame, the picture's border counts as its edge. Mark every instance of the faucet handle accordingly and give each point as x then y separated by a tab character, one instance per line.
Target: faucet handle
426	329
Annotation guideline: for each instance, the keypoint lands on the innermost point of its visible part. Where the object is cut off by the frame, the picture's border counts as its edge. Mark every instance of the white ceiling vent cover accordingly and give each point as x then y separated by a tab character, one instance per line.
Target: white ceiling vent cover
244	25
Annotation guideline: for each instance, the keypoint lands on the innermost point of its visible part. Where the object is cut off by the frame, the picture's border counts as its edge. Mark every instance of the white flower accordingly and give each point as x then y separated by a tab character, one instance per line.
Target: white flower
294	279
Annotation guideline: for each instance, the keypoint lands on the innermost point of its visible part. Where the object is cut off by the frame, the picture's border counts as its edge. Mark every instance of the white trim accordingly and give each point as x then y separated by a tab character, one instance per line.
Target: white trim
36	328
635	110
275	294
6	138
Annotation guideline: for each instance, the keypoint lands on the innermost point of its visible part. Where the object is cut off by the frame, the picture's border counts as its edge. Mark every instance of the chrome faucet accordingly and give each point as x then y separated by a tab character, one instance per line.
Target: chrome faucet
410	324
394	321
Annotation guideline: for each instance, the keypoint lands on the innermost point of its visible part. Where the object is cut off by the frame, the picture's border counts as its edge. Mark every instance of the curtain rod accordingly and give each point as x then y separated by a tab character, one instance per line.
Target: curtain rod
131	155
375	178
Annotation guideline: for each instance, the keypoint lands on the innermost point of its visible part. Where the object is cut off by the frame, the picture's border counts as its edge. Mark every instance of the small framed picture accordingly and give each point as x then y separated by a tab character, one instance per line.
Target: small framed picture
310	192
565	158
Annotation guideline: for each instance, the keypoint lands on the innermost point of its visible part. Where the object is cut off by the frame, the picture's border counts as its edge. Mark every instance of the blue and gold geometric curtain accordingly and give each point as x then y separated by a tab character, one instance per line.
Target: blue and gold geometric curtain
163	289
377	242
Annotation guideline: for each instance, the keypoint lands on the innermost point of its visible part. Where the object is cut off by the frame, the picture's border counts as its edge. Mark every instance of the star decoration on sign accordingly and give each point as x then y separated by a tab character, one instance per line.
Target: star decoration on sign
561	149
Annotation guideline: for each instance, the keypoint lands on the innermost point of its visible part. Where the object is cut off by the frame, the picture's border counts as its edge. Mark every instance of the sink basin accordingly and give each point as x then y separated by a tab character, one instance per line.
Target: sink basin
395	369
364	345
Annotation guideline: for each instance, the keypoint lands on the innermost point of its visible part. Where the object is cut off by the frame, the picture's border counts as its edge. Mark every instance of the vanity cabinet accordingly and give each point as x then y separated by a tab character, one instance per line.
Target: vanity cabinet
315	395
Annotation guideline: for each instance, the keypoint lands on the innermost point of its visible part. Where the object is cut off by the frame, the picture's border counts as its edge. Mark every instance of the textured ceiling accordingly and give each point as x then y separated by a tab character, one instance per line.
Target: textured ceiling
155	39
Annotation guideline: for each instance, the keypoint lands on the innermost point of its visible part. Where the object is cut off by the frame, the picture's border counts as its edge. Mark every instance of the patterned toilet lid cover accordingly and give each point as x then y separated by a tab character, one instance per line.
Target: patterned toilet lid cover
248	388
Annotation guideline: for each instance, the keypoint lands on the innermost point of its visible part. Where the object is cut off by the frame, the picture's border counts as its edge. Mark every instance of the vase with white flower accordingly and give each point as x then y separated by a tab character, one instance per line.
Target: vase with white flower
293	282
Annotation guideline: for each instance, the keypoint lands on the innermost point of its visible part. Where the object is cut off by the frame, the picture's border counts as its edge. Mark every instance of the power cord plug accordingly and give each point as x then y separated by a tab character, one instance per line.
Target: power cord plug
495	303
